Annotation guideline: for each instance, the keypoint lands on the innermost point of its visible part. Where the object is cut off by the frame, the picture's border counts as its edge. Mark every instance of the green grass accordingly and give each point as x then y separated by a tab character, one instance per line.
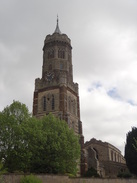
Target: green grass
30	179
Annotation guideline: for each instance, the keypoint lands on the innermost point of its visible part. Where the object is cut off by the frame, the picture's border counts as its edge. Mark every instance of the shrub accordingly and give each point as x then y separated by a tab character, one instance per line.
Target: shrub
30	179
2	171
91	173
124	175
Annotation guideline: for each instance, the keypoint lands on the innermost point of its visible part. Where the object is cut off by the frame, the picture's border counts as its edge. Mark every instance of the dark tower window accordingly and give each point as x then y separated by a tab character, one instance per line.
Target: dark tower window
51	54
44	103
53	102
115	157
111	155
61	53
74	107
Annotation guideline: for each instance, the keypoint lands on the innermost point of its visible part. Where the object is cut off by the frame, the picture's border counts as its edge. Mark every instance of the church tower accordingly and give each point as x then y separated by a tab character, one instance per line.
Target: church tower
56	92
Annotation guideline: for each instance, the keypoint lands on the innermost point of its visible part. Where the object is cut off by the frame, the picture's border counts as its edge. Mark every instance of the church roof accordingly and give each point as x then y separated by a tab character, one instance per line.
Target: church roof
57	30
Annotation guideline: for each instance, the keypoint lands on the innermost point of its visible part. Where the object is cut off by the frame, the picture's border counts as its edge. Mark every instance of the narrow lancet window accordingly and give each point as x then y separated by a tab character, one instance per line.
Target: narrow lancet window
53	102
44	103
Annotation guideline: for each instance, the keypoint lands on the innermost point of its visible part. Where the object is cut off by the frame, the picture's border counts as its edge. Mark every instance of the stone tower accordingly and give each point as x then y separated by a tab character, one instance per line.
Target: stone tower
56	92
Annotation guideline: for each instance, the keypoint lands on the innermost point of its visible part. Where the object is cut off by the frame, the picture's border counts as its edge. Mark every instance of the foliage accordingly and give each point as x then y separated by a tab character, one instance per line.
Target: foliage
130	151
124	175
30	179
2	171
1	167
135	143
44	145
18	111
61	151
13	148
91	173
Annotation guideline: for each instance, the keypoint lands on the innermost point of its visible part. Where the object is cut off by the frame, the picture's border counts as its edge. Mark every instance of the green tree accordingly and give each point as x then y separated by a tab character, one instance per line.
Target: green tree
17	110
12	144
61	151
130	151
35	145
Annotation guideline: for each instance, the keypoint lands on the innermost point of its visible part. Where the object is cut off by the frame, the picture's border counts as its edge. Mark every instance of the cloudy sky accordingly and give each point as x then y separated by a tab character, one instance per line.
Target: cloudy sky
103	34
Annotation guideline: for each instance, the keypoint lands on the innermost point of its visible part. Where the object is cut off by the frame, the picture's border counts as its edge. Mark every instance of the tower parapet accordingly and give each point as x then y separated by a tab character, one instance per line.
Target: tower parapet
57	37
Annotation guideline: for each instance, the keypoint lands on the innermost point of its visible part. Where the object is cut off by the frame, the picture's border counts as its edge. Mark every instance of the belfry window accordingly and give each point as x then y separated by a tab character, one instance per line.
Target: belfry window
51	54
44	103
53	102
61	53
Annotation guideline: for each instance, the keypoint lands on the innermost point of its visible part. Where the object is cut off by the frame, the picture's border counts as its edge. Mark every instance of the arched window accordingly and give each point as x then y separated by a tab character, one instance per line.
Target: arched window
53	103
111	155
74	107
44	103
51	54
61	53
115	157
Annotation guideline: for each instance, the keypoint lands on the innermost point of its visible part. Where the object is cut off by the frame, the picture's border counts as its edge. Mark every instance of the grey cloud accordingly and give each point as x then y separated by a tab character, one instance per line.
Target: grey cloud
104	41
